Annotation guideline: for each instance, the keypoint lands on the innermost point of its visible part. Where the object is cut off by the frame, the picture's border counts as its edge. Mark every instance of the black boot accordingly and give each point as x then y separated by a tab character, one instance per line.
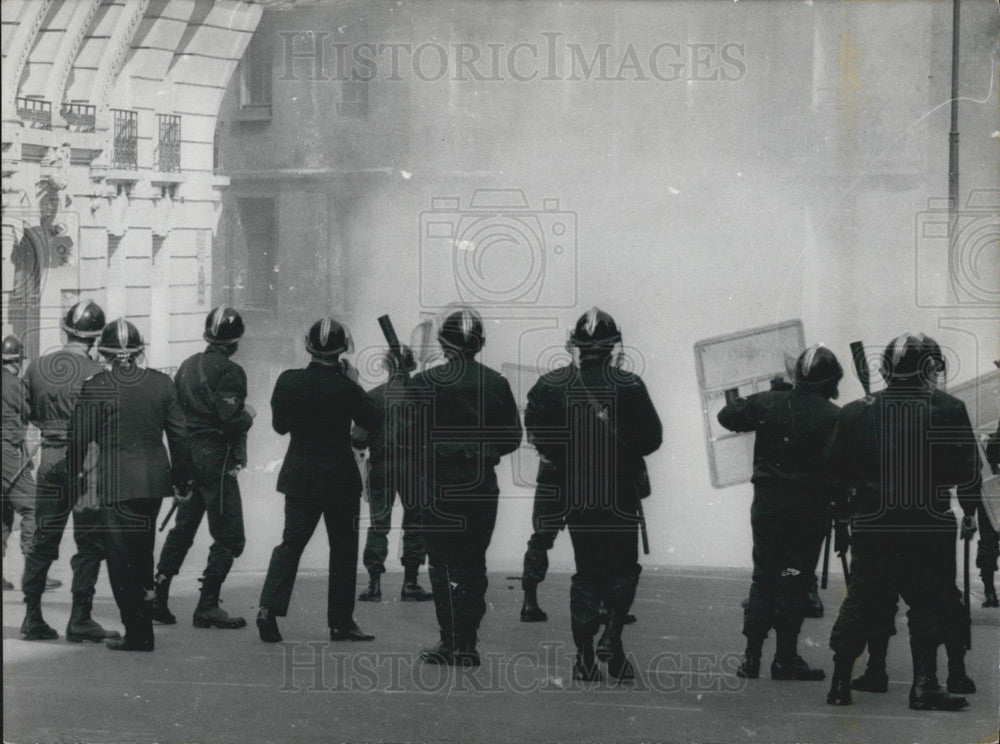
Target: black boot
585	669
162	613
959	683
374	591
439	654
267	626
840	685
34	627
990	592
208	614
350	632
787	664
926	693
609	648
81	626
749	668
813	604
7	586
466	654
412	591
530	611
875	678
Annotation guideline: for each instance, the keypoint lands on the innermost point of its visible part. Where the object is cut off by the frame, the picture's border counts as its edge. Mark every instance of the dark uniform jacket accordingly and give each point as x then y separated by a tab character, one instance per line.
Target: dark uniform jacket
54	381
380	441
316	405
16	412
126	411
592	428
461	418
792	428
212	390
903	449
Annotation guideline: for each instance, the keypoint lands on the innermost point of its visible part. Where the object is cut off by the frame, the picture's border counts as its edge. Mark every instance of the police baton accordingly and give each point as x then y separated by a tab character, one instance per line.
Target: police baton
968	610
170	513
826	549
20	470
642	528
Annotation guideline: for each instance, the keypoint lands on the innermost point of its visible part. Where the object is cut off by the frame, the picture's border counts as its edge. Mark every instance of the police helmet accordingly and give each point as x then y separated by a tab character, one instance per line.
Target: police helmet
84	320
462	330
911	357
595	330
328	338
817	367
12	349
120	339
223	326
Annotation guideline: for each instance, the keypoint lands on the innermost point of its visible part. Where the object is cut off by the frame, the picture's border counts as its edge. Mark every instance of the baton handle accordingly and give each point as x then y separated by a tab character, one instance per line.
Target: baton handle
166	519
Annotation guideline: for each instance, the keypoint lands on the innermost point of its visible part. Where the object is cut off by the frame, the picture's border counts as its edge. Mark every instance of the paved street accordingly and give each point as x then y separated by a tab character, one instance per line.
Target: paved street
226	686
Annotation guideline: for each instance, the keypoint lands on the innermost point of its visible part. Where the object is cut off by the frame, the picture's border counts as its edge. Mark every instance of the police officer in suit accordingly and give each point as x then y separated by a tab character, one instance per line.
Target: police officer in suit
902	449
126	410
18	480
54	381
592	424
212	390
460	418
389	474
792	491
319	478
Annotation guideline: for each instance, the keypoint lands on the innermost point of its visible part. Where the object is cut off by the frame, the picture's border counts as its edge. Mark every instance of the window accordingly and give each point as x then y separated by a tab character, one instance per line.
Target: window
259	220
126	139
255	80
169	149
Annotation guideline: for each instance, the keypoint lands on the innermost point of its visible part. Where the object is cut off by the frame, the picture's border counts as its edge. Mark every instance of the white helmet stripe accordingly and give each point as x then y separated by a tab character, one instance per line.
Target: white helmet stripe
217	316
899	345
122	333
467	324
324	331
592	320
809	358
79	310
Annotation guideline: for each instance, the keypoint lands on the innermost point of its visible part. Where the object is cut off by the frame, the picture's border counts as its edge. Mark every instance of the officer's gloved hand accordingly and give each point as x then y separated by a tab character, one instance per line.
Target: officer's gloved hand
968	527
841	536
250	410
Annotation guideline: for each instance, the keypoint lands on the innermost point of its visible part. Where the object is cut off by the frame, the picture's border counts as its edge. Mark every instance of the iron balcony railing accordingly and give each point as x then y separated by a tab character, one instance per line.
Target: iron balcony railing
79	117
169	150
126	142
35	112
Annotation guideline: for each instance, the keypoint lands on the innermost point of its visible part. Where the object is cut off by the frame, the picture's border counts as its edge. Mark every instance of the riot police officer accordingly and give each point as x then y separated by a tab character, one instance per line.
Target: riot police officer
54	381
18	480
319	478
459	419
875	678
792	491
902	449
212	390
126	410
592	424
389	474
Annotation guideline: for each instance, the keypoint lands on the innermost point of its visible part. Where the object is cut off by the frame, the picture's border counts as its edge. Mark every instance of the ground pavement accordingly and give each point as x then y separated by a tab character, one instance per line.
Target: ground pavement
205	686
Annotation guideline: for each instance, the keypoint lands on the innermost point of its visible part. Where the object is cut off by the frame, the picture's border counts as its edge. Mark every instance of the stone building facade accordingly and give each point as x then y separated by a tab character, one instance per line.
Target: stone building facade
109	185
